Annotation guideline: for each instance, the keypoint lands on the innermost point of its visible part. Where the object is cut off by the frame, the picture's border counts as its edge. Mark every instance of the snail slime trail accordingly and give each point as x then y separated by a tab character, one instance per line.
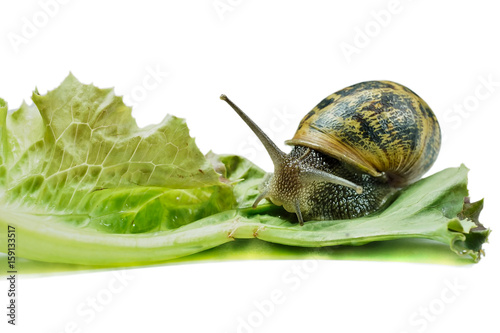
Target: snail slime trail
351	152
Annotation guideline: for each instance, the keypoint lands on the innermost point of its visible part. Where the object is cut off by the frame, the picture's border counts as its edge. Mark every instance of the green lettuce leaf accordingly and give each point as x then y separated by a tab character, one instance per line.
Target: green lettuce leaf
78	157
83	184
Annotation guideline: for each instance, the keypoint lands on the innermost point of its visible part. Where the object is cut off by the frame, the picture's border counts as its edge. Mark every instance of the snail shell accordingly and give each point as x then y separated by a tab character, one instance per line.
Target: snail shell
381	127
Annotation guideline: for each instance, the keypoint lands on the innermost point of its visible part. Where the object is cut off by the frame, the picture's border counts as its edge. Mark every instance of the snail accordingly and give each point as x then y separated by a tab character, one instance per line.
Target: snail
351	153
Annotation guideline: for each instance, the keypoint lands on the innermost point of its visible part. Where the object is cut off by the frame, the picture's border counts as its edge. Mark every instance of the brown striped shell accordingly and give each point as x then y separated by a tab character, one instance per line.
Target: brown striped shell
380	127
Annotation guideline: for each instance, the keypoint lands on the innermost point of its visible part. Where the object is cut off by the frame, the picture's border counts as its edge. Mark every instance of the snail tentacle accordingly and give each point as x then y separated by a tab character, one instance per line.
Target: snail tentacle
311	175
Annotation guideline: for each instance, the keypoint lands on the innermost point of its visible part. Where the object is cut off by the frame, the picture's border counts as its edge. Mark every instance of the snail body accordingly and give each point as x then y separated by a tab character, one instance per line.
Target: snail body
351	152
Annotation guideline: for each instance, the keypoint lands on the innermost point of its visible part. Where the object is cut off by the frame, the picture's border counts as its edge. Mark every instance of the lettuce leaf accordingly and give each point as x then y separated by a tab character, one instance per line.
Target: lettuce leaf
78	157
83	184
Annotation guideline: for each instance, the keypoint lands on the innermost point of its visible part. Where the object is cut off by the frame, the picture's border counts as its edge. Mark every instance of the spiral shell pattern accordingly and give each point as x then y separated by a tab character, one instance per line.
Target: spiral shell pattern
380	127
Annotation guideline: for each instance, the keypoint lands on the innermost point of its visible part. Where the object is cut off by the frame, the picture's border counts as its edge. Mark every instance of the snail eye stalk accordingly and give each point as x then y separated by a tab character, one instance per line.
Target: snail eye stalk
277	156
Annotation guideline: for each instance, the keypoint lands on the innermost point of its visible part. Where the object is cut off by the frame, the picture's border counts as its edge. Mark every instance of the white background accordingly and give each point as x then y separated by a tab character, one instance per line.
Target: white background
276	60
